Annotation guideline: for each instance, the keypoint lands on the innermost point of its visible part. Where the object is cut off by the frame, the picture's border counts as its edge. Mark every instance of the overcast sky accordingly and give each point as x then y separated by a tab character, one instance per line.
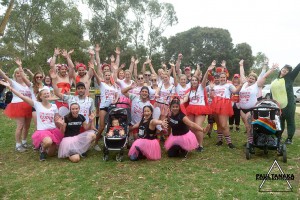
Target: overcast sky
268	26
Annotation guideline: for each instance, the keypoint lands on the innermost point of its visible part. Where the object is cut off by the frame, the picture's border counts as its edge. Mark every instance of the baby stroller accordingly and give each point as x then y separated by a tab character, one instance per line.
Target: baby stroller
266	129
116	142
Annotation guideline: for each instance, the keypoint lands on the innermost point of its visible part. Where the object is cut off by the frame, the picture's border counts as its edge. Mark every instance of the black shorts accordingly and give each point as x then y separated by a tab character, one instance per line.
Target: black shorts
246	110
97	100
210	119
105	109
33	109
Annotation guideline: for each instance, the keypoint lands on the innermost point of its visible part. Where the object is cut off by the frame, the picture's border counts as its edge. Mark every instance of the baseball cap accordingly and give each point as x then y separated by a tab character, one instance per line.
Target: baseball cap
80	84
187	68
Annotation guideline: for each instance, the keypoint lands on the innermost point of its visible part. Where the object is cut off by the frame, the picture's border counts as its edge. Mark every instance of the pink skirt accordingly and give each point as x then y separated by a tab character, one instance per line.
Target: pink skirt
18	110
78	144
38	136
187	141
198	110
149	148
221	106
124	99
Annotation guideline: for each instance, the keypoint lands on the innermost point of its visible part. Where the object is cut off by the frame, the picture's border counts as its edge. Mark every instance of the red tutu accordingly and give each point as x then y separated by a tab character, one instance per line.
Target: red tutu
18	110
149	148
78	144
187	141
221	106
54	134
198	110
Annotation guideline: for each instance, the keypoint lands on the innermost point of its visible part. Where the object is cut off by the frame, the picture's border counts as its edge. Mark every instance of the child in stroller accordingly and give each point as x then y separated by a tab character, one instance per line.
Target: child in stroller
265	129
116	130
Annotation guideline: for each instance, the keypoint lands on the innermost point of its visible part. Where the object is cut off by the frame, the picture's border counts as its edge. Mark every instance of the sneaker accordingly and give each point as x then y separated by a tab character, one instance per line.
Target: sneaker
26	145
83	155
219	143
288	141
251	149
21	149
209	134
200	149
42	156
231	128
97	147
237	129
231	146
133	157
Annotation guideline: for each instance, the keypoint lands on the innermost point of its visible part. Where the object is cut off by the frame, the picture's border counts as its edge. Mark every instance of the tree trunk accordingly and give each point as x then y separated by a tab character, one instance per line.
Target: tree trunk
6	17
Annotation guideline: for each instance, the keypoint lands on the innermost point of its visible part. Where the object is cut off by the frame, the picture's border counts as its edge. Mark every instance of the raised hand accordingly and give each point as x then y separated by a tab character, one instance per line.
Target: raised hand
136	61
18	62
97	48
59	120
275	66
71	51
118	51
5	83
223	64
91	52
213	65
241	62
132	59
133	85
65	53
165	123
56	51
122	65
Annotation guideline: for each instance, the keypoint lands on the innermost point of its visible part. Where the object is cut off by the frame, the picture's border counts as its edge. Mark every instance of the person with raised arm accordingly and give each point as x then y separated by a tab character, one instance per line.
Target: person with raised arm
62	78
198	107
75	142
146	73
18	109
147	145
47	137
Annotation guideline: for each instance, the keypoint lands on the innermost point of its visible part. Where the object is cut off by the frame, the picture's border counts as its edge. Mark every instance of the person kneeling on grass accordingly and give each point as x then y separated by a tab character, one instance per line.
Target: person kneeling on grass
147	145
46	137
75	144
181	139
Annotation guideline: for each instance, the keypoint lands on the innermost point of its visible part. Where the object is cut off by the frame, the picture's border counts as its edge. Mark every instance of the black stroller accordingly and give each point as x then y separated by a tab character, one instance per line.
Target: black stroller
116	142
266	129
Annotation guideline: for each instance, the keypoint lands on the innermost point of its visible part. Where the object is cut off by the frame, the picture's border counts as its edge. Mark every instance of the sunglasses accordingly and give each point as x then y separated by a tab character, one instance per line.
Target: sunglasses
38	77
153	80
140	78
147	74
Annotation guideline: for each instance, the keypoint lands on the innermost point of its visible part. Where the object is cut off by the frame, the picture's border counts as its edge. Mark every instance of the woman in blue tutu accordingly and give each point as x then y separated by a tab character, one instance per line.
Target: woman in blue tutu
75	144
147	145
181	139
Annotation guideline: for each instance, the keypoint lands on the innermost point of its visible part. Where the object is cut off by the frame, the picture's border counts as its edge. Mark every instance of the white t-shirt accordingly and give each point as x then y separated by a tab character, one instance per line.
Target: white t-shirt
196	97
107	94
137	108
24	90
224	90
151	93
160	82
123	85
182	91
86	104
136	90
165	93
248	95
45	116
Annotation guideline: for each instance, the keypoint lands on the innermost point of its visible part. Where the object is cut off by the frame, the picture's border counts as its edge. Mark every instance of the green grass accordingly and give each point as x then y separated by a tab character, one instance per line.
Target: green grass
217	173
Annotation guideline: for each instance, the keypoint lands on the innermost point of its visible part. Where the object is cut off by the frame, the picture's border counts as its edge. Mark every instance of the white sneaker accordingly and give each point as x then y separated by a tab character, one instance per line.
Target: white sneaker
97	148
20	149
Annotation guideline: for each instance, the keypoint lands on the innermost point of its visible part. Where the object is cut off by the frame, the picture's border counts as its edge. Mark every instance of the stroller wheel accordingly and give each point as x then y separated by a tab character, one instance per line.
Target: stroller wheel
119	158
284	153
105	157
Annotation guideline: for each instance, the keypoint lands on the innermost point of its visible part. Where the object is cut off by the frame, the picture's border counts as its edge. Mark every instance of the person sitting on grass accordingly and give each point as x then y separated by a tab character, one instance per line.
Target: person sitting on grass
75	144
147	145
115	126
47	136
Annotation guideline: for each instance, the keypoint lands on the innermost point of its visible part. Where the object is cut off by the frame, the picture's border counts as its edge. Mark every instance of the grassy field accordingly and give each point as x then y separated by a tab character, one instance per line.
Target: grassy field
216	173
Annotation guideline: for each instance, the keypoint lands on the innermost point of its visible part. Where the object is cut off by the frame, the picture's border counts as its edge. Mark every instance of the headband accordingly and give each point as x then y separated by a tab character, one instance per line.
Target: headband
80	65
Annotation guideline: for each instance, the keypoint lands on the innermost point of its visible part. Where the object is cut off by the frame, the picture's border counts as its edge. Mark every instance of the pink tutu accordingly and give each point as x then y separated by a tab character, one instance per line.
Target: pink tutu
221	106
75	145
18	110
198	110
38	136
149	148
187	141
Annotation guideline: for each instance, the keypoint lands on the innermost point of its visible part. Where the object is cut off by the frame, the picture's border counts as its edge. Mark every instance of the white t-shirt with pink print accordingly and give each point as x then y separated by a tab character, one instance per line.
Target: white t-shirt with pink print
45	116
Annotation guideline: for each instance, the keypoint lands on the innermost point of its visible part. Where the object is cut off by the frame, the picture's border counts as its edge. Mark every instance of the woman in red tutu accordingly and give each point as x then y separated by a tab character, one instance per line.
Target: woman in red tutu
181	139
18	109
198	107
147	145
47	137
75	144
222	108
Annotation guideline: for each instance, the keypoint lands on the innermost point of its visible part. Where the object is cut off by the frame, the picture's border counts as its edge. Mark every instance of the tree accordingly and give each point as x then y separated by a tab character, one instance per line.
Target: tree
6	17
242	51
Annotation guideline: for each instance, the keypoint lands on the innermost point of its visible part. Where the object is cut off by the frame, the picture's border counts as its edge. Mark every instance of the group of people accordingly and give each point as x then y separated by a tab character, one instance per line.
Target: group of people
164	108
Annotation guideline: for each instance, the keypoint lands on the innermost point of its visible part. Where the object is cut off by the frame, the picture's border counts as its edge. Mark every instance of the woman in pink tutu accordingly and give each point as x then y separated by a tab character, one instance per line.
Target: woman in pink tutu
198	107
147	145
75	144
47	137
18	109
181	139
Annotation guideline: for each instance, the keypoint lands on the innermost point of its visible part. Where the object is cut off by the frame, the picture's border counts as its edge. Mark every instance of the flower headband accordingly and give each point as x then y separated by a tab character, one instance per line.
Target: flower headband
81	65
